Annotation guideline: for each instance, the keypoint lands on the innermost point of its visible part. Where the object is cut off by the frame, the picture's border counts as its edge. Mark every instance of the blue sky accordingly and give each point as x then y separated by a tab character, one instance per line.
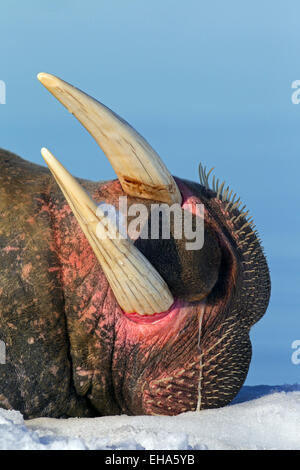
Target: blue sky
202	81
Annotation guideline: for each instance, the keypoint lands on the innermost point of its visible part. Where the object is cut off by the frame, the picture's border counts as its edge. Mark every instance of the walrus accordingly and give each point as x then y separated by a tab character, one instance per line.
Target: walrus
117	325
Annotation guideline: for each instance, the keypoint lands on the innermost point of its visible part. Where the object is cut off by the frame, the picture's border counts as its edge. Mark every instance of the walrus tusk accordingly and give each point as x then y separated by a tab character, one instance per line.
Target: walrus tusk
140	170
137	286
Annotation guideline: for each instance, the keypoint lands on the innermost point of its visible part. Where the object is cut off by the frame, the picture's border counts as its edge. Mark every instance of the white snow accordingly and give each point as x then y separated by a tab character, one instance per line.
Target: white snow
269	422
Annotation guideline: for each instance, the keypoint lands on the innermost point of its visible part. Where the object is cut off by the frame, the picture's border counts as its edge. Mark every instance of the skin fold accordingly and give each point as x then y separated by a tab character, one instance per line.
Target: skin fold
70	348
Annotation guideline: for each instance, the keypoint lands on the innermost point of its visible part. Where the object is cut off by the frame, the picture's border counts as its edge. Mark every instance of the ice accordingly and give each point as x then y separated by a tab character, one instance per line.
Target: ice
261	417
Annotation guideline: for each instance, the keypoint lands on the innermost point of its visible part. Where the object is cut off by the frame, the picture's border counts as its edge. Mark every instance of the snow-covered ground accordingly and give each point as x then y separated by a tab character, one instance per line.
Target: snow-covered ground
261	417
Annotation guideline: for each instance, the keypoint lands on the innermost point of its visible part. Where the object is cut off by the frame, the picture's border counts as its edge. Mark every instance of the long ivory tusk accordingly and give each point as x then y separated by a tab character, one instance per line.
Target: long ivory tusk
137	286
140	170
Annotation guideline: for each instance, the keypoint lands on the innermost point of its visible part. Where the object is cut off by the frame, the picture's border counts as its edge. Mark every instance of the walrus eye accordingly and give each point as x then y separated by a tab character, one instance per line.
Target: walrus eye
137	286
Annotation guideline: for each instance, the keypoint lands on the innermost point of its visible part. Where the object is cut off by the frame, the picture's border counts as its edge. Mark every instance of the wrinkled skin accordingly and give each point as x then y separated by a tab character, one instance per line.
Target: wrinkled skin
71	350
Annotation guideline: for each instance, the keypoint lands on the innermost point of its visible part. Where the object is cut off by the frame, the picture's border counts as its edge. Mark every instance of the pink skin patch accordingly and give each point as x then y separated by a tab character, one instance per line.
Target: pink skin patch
7	249
163	325
137	318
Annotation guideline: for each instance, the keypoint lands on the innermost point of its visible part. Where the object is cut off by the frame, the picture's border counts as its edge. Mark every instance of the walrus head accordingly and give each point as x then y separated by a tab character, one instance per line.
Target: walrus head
154	327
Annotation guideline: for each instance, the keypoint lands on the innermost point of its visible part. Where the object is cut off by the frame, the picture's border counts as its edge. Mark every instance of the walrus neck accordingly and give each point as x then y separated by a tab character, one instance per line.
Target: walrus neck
89	307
